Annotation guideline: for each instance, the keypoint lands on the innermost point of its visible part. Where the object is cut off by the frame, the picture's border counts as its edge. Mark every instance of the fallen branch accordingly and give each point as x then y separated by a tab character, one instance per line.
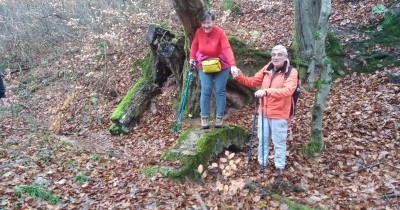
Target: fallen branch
202	204
356	171
391	195
392	166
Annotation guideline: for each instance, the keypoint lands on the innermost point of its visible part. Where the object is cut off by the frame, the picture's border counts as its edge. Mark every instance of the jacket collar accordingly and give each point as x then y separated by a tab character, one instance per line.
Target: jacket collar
283	69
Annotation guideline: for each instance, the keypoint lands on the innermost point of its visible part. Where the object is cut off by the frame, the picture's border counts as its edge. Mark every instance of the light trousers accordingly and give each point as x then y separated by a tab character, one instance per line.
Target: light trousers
275	129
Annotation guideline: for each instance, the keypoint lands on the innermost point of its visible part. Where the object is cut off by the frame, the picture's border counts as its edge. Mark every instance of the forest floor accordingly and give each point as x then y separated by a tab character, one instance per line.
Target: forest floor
54	131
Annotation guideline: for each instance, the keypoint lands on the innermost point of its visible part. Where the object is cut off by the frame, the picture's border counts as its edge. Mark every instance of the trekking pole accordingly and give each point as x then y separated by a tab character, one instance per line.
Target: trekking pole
252	130
262	134
181	109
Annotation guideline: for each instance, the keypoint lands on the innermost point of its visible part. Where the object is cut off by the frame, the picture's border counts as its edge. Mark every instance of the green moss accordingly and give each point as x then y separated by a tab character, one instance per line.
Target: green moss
295	59
119	111
209	144
152	171
37	191
115	129
335	52
367	58
249	59
230	5
314	146
81	178
169	155
144	64
164	171
292	205
390	30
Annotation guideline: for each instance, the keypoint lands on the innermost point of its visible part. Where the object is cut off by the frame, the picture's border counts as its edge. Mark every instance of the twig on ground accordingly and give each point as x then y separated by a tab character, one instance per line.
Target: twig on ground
392	166
202	204
391	195
358	170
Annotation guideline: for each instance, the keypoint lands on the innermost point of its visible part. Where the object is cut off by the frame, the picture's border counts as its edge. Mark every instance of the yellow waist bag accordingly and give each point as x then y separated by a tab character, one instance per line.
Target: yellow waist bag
211	65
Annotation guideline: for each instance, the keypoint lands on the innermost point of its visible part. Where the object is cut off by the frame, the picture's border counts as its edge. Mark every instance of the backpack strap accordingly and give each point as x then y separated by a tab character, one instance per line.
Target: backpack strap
288	73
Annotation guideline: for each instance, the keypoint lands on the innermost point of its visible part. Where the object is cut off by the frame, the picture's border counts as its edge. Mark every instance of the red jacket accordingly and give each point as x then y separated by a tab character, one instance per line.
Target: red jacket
212	45
278	100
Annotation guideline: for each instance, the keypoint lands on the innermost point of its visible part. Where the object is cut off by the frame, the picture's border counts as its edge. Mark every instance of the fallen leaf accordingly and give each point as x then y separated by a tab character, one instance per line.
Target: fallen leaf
200	168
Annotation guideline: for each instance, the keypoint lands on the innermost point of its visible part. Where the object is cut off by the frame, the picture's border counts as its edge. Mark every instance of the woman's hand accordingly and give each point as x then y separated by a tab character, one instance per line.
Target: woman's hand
235	71
192	63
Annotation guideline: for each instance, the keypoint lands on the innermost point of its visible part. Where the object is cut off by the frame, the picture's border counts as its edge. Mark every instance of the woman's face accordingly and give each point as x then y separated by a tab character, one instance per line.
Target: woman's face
207	25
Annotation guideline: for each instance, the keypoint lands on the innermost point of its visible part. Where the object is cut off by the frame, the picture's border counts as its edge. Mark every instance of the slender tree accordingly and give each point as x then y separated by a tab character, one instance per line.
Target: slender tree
311	17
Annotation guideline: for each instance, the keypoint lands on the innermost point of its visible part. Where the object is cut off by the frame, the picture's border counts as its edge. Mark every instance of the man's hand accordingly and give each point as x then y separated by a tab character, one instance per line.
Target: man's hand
235	71
260	93
192	63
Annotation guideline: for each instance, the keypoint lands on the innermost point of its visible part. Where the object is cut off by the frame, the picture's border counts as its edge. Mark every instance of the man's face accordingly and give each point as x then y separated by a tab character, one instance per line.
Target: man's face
278	58
207	25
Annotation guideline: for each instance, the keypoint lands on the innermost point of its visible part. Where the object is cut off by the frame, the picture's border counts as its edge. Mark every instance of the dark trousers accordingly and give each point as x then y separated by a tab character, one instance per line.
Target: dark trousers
2	88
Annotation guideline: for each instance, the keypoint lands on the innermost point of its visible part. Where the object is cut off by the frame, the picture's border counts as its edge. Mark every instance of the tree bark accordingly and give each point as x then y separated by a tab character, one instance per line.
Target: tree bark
306	21
311	30
189	12
326	75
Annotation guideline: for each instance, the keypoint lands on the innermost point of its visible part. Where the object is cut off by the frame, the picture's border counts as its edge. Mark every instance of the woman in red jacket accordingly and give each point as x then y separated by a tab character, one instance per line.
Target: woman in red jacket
210	41
276	93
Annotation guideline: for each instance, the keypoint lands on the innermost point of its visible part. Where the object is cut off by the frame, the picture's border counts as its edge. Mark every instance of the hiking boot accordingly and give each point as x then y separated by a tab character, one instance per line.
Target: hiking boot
204	122
218	122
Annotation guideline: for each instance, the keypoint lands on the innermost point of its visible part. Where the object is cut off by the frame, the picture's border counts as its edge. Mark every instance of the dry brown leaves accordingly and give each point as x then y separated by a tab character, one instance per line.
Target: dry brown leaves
361	128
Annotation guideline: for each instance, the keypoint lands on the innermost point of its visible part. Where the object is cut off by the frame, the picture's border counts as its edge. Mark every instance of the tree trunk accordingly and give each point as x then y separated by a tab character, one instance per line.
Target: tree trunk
306	18
311	34
189	12
326	76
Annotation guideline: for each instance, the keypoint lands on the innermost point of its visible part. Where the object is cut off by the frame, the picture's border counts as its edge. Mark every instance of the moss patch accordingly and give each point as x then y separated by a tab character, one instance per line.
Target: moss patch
387	33
249	59
289	203
144	64
115	129
119	111
313	147
196	146
390	30
335	52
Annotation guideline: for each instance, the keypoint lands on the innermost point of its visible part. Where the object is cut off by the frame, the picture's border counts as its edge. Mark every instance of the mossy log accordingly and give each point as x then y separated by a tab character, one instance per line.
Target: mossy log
197	146
133	105
165	59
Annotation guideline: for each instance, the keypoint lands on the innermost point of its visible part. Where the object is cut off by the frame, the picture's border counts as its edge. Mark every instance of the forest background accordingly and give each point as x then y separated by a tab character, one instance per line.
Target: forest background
67	65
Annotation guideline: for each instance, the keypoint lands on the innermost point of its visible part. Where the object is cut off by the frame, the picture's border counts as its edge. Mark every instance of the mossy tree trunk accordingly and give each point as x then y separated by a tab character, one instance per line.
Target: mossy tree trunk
319	63
189	13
